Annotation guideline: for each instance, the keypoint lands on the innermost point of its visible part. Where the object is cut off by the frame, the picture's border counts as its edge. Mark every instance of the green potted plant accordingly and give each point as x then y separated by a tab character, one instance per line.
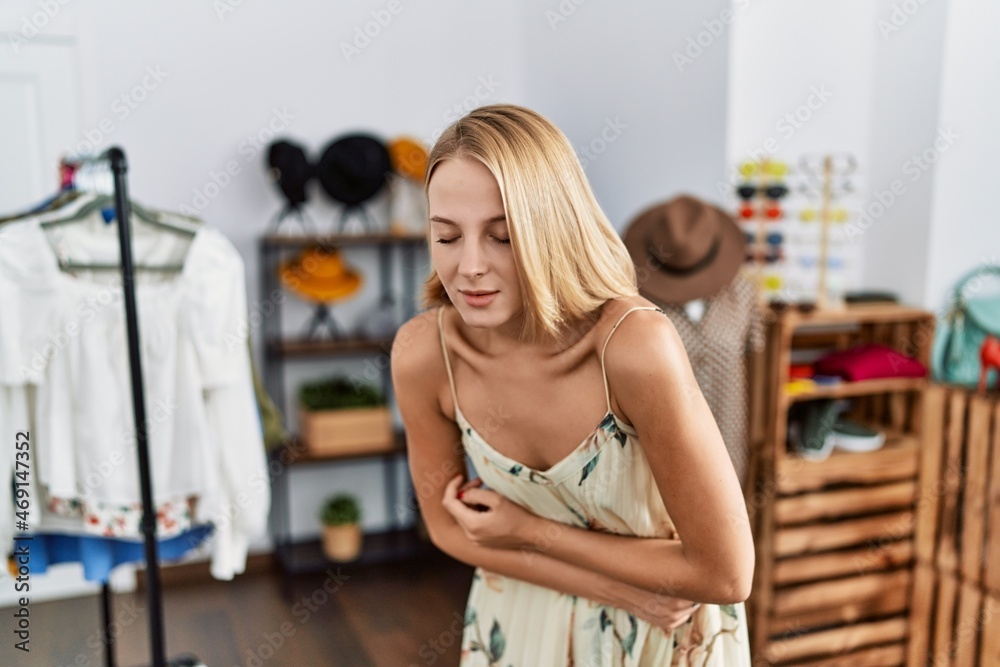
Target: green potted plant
340	416
342	537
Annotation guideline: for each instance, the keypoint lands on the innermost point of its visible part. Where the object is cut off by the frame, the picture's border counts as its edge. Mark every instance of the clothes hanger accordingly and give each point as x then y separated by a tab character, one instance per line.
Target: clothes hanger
54	203
94	178
102	201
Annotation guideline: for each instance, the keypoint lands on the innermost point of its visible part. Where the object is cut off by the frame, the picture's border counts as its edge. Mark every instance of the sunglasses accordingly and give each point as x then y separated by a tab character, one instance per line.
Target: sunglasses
770	256
747	191
771	212
751	168
810	262
780	306
773	238
812	214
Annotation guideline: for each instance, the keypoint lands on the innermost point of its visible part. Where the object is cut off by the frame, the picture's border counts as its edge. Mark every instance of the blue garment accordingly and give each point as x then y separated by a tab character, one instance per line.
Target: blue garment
100	555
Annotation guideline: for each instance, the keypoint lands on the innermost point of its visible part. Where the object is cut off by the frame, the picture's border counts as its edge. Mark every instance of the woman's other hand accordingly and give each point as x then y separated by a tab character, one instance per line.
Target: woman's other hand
658	609
486	517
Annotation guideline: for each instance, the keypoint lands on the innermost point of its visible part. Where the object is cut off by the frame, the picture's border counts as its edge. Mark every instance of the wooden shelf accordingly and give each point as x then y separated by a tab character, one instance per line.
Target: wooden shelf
873	313
302	240
898	458
291	347
294	452
860	388
835	540
302	557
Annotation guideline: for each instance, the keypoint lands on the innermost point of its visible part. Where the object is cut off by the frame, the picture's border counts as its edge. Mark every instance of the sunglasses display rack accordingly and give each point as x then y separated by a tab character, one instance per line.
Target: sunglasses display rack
761	211
826	179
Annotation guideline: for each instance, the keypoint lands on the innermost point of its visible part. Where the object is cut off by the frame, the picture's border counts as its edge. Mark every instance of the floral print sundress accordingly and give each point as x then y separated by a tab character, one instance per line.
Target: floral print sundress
604	484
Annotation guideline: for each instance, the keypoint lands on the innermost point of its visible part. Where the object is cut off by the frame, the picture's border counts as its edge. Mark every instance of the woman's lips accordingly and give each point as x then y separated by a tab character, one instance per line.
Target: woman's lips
479	300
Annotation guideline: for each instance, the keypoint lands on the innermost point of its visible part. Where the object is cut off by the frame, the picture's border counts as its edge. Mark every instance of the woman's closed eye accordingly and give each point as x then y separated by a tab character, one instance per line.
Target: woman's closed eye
499	240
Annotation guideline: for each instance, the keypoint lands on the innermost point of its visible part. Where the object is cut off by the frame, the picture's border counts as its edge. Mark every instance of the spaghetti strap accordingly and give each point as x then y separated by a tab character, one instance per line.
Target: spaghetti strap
607	392
447	363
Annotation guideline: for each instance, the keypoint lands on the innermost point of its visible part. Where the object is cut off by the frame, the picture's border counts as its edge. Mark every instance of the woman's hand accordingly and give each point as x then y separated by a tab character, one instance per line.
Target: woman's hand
661	611
486	517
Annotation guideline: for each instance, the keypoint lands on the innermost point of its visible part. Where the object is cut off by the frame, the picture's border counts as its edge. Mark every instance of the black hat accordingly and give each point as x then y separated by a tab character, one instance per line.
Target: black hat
353	168
291	170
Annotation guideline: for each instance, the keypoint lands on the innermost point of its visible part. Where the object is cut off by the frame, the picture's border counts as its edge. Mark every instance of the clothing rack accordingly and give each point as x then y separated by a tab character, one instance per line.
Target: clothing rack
115	157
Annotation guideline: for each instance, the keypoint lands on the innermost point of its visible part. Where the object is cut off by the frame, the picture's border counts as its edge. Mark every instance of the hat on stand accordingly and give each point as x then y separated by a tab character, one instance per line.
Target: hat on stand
689	248
320	274
408	157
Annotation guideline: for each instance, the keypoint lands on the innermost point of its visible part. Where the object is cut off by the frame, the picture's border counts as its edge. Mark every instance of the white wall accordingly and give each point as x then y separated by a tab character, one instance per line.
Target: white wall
608	70
905	119
964	230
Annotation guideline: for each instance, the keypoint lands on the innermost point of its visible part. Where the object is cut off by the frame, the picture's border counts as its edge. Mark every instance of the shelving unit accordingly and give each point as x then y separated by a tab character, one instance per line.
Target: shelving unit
398	542
834	538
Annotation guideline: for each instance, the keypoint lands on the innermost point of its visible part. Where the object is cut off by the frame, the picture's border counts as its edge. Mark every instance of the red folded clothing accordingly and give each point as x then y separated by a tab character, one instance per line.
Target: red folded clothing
868	362
800	371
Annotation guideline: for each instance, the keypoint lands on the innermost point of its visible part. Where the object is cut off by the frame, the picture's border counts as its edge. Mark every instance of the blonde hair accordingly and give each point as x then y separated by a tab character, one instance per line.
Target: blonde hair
570	260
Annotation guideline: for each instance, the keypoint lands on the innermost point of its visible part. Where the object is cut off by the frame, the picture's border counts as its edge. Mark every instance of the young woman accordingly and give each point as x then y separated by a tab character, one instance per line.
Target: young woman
606	524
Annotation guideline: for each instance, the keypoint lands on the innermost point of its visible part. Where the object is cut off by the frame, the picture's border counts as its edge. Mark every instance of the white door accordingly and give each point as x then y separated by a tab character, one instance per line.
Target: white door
40	116
39	123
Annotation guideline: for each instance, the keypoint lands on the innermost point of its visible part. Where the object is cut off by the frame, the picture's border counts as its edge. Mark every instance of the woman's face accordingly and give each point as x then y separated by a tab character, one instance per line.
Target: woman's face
471	249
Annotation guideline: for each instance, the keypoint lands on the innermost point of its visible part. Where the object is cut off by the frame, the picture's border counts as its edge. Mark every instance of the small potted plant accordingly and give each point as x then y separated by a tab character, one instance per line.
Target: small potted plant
342	537
338	416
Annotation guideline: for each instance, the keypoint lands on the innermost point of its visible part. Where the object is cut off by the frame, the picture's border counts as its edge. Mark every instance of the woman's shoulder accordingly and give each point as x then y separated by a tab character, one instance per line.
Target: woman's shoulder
416	355
638	336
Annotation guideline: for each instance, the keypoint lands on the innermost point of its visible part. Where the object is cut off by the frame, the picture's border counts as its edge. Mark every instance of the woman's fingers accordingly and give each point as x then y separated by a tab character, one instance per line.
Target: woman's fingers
471	484
451	489
480	498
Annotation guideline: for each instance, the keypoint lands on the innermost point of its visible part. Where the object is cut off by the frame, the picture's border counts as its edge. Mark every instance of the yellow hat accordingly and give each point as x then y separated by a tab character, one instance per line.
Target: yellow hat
409	158
319	274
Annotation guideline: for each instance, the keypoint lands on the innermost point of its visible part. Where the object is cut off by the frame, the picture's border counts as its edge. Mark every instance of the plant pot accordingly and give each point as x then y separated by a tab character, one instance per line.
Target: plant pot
347	431
342	543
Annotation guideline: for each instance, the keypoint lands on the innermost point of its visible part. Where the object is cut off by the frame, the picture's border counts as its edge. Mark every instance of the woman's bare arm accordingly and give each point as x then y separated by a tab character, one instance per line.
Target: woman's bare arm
436	456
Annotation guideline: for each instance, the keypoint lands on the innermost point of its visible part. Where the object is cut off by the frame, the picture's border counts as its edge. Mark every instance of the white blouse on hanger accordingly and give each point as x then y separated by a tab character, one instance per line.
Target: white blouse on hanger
65	375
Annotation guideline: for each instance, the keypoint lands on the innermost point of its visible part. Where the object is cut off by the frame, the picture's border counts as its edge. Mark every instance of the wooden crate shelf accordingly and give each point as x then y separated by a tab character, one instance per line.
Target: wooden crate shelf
836	641
897	459
956	604
860	388
835	540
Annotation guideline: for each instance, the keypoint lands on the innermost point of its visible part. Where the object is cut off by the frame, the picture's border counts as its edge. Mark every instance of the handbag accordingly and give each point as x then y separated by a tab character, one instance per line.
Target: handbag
960	333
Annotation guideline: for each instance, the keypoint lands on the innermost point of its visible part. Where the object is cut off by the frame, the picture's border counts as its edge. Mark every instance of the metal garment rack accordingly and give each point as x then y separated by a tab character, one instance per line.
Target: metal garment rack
115	157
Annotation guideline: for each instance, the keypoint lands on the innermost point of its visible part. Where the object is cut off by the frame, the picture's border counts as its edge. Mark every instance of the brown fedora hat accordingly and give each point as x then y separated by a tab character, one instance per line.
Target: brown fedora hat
684	249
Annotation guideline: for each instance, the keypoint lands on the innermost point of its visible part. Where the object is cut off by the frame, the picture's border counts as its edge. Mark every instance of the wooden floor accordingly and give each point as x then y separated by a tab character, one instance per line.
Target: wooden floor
399	615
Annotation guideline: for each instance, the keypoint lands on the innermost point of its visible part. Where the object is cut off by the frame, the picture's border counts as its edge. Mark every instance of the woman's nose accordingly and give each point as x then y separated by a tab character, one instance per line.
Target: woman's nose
472	261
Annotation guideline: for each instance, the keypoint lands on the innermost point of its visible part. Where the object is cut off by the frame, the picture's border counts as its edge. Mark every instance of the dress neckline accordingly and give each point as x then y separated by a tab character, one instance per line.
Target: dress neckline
587	448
